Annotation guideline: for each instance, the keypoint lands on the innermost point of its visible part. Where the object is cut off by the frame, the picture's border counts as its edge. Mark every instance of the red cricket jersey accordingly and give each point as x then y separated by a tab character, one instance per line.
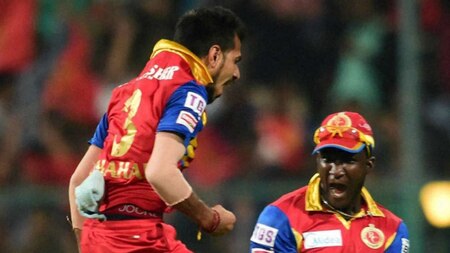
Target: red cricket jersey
297	222
168	95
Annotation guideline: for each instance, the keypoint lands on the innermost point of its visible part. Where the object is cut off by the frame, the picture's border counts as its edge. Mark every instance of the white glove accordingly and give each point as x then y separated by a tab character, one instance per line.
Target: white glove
88	195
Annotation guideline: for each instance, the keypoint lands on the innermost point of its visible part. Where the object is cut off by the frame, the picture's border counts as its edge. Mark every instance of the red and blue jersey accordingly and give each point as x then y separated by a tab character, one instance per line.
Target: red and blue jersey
297	222
169	95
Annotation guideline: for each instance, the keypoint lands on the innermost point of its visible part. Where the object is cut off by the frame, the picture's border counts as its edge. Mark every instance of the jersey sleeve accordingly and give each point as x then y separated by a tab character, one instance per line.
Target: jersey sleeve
401	240
273	233
183	112
100	132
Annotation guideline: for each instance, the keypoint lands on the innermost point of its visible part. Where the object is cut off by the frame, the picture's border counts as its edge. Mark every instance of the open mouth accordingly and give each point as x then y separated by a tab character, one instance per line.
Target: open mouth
337	190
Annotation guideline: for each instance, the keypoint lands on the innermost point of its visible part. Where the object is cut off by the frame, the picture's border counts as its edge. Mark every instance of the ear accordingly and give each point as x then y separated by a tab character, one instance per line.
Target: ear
370	164
214	56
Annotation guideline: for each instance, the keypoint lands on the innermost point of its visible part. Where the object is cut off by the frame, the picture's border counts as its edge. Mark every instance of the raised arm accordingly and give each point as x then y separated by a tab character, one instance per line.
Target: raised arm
168	181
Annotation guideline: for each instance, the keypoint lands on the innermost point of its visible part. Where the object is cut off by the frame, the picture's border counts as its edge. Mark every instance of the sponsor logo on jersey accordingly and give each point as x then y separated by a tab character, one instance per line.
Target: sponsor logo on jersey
372	237
188	120
128	209
405	245
158	73
264	235
195	102
325	238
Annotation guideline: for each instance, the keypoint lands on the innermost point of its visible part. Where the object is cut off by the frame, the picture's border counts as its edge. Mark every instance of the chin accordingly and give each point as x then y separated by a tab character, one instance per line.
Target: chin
338	203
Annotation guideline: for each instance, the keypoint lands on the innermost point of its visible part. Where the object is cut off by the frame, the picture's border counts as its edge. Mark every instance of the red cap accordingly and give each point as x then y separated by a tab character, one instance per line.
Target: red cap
348	131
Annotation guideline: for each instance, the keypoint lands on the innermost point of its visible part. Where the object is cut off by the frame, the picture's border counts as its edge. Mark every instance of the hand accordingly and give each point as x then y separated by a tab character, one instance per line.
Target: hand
88	195
227	221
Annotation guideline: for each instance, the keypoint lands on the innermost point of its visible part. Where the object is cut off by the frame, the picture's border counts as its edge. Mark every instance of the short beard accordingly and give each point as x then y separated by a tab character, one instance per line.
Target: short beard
210	88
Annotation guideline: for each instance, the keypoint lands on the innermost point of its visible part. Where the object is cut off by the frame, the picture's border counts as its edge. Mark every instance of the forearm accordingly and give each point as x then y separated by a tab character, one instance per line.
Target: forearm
170	184
172	187
202	214
76	220
82	171
162	171
77	233
75	217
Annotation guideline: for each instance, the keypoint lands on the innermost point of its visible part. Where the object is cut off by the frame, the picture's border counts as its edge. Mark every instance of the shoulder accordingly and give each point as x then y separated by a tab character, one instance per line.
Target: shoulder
392	224
192	86
293	199
389	215
272	230
277	212
399	239
168	68
192	95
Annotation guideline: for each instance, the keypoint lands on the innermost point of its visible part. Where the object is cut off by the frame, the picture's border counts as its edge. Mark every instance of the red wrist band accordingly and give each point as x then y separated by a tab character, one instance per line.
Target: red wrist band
215	223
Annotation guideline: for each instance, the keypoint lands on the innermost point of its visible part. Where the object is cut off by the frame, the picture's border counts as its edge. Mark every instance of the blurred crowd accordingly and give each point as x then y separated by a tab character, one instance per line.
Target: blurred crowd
59	61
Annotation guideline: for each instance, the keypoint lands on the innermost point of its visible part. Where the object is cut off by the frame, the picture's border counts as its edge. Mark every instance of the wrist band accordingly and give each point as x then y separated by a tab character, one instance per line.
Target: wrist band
215	223
214	226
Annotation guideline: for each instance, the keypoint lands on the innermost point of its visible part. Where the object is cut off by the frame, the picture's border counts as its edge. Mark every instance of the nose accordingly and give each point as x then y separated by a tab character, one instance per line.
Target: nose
237	73
336	171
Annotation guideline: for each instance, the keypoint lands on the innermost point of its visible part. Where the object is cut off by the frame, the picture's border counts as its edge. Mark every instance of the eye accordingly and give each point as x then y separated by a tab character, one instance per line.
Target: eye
350	160
325	160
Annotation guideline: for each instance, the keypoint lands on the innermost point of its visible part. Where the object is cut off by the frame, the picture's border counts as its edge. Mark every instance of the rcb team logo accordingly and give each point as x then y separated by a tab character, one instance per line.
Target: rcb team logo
340	120
372	237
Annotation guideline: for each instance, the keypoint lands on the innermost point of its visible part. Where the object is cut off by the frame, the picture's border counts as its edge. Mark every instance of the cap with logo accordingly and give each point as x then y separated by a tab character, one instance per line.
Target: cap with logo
348	131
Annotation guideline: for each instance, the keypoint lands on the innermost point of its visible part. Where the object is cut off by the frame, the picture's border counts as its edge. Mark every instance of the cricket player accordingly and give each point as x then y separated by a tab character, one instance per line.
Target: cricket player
334	212
148	135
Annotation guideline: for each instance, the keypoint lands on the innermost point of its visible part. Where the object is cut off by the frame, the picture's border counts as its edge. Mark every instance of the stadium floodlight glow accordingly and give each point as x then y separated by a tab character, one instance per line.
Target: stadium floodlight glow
435	201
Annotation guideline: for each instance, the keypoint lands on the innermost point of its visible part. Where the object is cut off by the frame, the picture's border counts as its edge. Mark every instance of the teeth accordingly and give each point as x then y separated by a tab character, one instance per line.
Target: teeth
337	190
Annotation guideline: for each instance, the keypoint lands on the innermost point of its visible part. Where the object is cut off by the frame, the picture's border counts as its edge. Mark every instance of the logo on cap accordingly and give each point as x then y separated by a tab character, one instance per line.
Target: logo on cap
340	119
348	131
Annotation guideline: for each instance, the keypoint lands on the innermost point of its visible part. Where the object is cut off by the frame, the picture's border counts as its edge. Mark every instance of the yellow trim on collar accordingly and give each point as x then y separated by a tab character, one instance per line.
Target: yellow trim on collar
313	202
199	70
312	199
371	205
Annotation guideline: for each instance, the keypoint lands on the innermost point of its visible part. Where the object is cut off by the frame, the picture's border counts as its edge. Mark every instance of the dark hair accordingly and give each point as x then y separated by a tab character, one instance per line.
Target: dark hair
201	28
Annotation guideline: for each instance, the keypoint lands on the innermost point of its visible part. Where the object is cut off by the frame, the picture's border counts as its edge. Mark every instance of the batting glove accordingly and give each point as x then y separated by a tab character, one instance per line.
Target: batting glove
88	195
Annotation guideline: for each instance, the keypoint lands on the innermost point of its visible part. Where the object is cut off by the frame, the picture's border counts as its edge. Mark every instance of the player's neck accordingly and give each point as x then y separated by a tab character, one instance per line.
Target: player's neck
347	214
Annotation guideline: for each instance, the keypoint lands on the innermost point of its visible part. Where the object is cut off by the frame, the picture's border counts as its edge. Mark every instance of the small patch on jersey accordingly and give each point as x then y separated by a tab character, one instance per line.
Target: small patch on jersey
405	245
261	251
195	102
319	239
188	120
264	235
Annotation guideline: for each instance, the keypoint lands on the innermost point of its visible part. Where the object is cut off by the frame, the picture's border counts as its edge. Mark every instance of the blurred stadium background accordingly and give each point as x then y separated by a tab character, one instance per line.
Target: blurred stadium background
387	59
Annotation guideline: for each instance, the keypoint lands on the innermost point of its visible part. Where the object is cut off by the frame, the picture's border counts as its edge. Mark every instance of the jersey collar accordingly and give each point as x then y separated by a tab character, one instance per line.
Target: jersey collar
313	202
198	69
